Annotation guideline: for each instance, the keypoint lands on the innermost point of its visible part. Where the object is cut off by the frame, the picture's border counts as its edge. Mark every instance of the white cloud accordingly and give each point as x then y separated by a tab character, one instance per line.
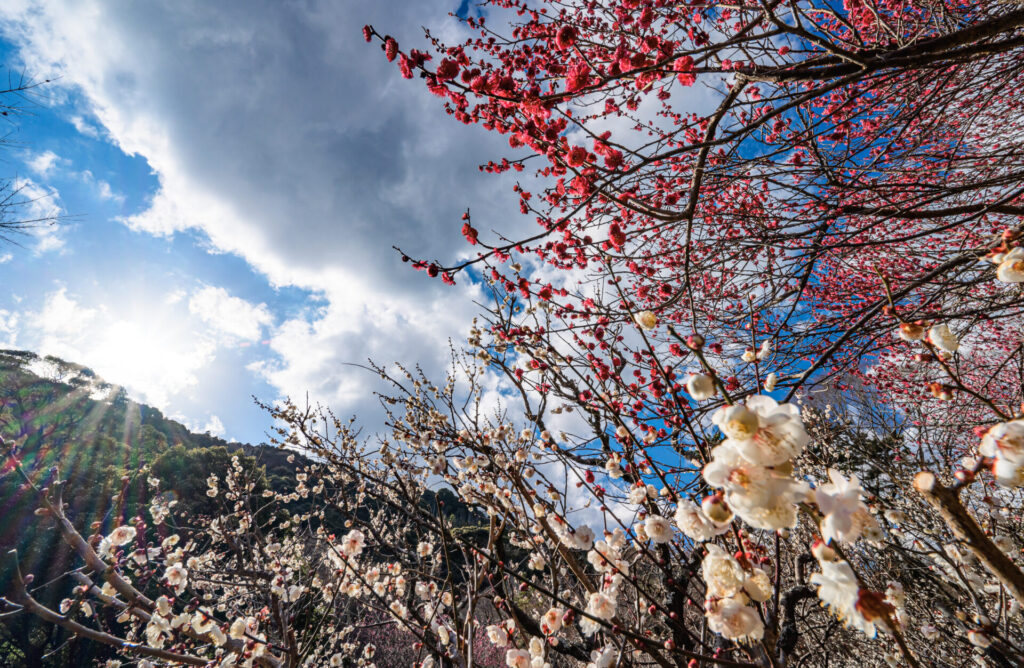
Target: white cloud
105	192
102	188
6	257
84	127
214	426
63	316
8	328
229	315
324	354
43	163
33	202
175	296
155	354
49	238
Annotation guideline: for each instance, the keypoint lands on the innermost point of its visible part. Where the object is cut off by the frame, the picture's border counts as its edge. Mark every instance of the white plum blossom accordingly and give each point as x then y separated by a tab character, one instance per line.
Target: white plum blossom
658	528
604	657
237	629
757	585
219	638
763	497
353	542
498	634
646	319
613	467
536	648
517	658
551	621
601	605
692	521
603	557
105	549
201	623
177	577
840	501
1011	268
122	535
723	575
1005	444
733	619
942	338
837	585
640	493
839	590
580	538
763	431
701	386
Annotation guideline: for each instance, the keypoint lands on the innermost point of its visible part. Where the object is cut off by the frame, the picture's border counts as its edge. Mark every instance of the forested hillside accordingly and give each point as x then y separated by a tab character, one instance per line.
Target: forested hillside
60	414
63	415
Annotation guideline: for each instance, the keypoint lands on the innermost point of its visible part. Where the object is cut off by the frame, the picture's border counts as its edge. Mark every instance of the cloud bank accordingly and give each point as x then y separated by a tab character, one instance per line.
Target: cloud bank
283	138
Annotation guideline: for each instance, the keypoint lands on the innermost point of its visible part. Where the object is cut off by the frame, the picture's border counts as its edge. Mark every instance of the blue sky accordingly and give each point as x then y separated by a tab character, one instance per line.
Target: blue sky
232	177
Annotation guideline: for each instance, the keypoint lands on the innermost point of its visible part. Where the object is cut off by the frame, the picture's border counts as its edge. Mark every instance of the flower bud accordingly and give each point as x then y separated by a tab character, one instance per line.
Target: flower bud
701	386
716	509
646	319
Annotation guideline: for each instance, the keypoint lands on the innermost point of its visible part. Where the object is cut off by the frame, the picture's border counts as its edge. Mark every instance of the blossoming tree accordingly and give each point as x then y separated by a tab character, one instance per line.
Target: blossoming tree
763	352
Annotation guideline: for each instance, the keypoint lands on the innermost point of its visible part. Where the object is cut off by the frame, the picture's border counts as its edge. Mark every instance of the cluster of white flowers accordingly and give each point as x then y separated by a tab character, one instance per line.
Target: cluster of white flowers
580	538
606	555
751	355
730	587
607	559
614	466
527	658
753	465
640	492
